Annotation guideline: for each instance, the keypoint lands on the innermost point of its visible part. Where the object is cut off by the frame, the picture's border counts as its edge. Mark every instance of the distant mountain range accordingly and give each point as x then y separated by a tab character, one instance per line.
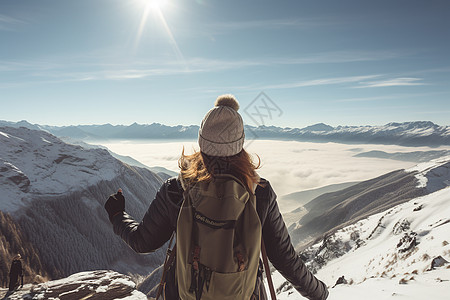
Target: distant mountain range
420	133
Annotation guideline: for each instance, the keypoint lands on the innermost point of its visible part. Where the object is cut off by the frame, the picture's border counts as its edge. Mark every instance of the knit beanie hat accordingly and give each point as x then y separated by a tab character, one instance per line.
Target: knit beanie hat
222	129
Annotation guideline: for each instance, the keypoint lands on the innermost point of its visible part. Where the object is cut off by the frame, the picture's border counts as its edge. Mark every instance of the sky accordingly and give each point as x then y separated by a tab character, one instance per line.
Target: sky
119	62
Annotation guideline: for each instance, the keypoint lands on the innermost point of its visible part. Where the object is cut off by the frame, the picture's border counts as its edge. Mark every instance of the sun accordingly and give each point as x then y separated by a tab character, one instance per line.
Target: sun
156	9
154	4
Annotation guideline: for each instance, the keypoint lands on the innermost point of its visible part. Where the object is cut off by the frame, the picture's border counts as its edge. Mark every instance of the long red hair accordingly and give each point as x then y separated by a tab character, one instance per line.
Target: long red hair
201	167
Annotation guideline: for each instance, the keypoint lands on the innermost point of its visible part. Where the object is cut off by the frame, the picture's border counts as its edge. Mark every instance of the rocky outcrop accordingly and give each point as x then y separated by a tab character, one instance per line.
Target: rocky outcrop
438	262
10	175
94	285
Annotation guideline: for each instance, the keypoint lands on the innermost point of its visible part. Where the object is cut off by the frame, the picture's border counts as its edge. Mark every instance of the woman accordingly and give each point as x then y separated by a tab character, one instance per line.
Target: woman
221	139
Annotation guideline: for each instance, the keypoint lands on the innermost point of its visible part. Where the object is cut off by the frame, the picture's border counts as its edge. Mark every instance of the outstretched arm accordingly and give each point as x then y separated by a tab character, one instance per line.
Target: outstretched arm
155	228
282	254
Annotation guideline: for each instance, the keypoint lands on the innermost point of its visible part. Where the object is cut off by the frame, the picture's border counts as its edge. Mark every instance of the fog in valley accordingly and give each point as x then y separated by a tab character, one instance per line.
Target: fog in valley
290	166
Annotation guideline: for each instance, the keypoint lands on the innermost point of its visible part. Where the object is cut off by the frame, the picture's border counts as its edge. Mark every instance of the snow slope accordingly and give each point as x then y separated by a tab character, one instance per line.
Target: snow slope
36	163
56	191
387	255
433	175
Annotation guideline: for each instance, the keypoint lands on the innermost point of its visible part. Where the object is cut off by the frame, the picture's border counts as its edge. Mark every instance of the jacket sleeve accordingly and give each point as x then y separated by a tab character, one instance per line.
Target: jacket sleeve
281	252
157	225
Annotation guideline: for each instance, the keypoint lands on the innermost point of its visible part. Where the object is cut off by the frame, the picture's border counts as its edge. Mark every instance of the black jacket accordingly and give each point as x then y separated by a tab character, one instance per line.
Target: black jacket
160	221
16	268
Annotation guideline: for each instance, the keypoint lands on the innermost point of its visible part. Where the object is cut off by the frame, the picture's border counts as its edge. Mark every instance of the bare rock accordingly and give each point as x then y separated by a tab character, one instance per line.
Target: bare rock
341	280
92	285
407	242
438	262
12	175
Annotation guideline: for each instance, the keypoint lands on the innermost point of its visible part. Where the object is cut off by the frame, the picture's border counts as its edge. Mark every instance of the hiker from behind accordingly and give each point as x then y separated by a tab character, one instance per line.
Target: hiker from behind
14	272
223	214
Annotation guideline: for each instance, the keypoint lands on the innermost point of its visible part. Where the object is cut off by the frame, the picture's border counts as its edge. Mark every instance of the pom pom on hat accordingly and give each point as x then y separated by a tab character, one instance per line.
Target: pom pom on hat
227	100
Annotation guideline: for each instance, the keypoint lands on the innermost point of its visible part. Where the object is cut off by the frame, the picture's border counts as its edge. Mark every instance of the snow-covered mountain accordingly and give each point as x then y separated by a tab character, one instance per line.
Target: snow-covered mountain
37	164
337	209
406	134
420	133
55	193
401	252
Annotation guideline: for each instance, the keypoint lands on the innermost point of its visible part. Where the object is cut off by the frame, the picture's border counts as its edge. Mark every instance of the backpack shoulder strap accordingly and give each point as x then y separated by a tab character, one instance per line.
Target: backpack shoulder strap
266	267
170	257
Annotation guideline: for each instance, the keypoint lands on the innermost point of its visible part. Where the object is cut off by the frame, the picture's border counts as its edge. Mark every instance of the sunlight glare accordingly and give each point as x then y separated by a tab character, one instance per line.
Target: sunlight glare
154	4
155	7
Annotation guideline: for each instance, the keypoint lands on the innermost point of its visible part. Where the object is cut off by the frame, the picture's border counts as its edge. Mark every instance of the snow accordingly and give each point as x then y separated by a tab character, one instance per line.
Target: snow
380	268
431	175
71	287
403	130
37	164
425	287
4	134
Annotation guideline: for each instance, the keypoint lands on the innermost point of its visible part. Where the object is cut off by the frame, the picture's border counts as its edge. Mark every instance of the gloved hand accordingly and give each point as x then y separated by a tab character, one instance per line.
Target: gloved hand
115	204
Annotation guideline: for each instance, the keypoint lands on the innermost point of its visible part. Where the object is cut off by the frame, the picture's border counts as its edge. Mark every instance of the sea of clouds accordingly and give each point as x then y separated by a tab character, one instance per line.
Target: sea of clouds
290	166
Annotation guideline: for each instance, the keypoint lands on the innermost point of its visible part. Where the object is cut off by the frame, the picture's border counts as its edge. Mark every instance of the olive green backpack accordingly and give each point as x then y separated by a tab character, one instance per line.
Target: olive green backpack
218	241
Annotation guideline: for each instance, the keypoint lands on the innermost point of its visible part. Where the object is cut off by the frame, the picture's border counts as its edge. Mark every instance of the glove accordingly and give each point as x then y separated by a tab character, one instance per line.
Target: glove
115	204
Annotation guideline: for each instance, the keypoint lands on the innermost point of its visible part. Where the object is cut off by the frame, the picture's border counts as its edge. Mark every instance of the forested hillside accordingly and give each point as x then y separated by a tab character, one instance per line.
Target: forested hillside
12	242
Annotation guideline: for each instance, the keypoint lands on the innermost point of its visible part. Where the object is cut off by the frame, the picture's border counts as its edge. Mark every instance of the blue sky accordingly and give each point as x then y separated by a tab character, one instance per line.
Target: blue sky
119	62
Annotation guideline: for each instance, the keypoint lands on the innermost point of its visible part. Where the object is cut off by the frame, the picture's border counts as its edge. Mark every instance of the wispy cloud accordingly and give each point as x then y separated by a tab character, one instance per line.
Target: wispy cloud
101	67
402	81
359	81
389	97
341	57
365	99
322	81
89	68
302	23
7	23
292	85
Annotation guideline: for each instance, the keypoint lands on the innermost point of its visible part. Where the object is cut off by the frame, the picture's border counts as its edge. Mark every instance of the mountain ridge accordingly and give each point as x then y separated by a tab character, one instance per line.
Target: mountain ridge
402	252
415	133
331	211
55	193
